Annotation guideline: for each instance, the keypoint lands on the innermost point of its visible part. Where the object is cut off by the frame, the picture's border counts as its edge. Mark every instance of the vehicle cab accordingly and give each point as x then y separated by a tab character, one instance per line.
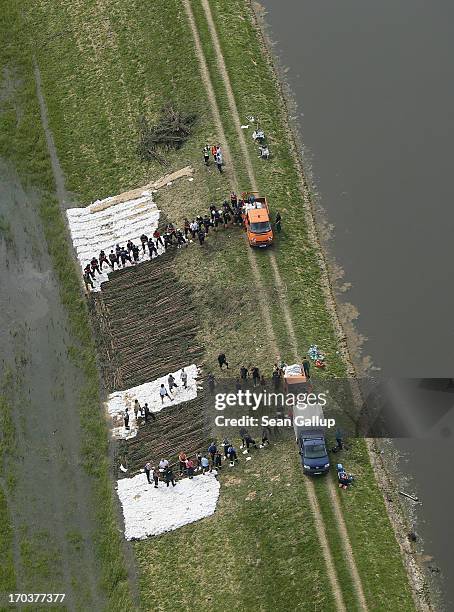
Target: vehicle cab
256	219
314	454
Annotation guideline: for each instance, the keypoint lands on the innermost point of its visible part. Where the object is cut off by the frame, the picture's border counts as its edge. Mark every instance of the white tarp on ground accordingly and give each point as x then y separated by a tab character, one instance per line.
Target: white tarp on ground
148	511
293	370
104	224
148	392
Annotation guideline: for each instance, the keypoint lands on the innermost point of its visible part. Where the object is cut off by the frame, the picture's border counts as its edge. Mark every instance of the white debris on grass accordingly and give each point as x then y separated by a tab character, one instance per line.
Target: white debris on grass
148	392
104	224
148	511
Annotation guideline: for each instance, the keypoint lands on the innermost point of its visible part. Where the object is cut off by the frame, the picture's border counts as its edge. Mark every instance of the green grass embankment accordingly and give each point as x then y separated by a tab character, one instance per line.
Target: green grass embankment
102	65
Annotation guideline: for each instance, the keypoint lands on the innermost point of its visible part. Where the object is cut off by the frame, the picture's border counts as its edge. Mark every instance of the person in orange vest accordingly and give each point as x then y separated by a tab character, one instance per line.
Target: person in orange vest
214	150
182	459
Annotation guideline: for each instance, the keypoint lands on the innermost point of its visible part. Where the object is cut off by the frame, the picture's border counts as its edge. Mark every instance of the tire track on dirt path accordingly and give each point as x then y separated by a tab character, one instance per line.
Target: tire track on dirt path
347	546
287	316
249	168
330	567
205	75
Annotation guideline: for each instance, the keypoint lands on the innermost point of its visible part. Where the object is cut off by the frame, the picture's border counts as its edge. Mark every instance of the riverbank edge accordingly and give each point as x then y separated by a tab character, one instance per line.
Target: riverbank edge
346	333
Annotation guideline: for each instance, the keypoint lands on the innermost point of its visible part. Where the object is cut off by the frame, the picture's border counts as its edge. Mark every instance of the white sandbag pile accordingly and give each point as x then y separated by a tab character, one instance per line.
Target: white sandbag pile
111	221
148	511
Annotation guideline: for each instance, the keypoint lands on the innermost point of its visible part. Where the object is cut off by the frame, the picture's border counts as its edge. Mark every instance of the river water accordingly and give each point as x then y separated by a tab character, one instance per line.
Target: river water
374	86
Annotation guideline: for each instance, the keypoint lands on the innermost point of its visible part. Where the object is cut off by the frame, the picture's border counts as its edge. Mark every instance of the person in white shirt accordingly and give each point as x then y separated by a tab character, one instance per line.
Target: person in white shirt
194	227
258	135
163	393
184	378
264	152
163	464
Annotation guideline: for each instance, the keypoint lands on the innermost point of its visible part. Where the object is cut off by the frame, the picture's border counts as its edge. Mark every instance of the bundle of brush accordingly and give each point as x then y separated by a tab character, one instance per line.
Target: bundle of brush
170	132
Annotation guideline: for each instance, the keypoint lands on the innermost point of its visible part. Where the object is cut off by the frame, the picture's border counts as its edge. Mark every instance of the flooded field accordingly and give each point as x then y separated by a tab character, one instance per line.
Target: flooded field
50	503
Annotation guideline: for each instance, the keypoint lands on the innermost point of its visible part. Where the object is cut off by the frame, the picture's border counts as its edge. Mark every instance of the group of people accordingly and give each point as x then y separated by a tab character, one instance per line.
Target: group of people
253	373
163	472
143	413
171	382
215	152
203	463
230	213
121	255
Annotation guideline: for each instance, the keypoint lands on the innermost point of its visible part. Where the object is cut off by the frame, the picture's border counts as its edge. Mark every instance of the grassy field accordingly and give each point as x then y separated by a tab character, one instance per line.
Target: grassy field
22	141
249	555
104	64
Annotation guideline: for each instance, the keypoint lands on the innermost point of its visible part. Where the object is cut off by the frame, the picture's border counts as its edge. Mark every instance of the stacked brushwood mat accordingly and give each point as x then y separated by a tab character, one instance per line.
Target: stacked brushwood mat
146	324
181	428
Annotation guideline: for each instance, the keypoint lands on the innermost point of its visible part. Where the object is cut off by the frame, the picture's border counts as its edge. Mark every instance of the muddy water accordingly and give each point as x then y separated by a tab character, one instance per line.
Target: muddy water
373	83
51	509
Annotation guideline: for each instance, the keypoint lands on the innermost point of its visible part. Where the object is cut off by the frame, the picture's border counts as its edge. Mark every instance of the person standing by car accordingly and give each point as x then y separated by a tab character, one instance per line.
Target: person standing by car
278	222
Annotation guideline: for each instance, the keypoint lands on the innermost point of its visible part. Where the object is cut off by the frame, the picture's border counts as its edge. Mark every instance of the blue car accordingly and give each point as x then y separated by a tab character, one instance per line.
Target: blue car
314	455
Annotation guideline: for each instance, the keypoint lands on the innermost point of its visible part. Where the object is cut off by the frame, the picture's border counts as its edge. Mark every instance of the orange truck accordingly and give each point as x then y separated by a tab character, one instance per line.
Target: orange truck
256	219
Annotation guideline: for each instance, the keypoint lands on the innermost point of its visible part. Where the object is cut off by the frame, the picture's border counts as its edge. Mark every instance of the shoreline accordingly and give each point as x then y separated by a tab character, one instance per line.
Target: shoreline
348	337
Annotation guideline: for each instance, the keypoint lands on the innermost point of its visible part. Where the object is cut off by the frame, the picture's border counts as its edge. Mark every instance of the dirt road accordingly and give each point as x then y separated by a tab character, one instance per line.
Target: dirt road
222	69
